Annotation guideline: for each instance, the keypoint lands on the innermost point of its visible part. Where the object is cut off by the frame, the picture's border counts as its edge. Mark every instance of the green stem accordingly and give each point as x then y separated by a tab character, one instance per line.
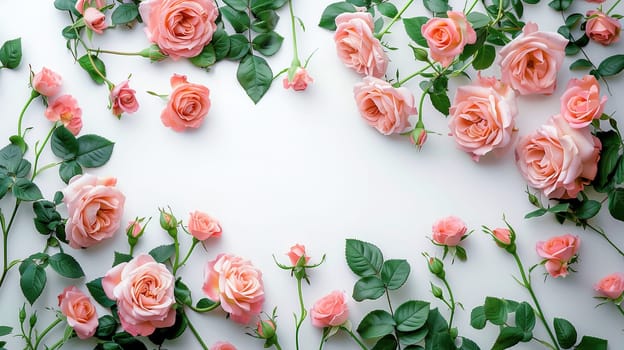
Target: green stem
355	338
188	254
612	7
604	235
195	333
277	346
5	240
38	151
294	33
90	57
58	344
46	331
474	3
210	308
452	302
98	51
322	341
176	265
303	312
619	307
34	94
393	21
415	74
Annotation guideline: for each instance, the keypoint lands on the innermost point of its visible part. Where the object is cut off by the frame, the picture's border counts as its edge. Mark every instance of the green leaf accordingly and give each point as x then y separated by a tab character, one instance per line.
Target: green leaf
588	209
611	65
32	281
573	19
328	18
414	337
26	190
411	315
468	344
94	66
413	29
69	169
65	5
97	292
106	327
616	203
478	19
591	343
5	183
238	19
206	58
485	57
221	44
239	47
64	144
258	6
161	334
388	342
162	253
560	5
387	9
394	273
608	160
441	102
494	310
437	6
525	320
559	208
128	342
267	43
238	5
69	33
204	303
477	317
369	287
508	337
376	324
23	169
618	176
182	293
565	332
255	76
536	213
266	22
363	258
93	151
10	157
5	330
11	53
66	266
125	13
121	258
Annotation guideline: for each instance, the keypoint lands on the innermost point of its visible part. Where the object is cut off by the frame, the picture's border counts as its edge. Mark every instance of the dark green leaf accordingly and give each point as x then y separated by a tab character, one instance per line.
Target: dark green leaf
618	176
536	213
388	342
109	345
518	7
66	266
26	190
394	273
58	197
20	142
565	332
485	57
97	292
591	343
441	102
69	33
106	327
478	19
161	334
238	19
508	337
238	5
267	43
221	44
525	320
387	9
411	315
121	258
460	253
206	58
494	310
239	47
328	18
414	337
182	293
93	151
64	144
11	53
611	65
608	160
258	6
162	253
69	169
32	281
205	303
363	258
10	157
616	203
572	49
94	66
413	29
477	317
65	5
5	183
125	13
5	330
255	76
23	169
437	6
266	22
128	342
369	287
573	19
588	209
468	344
376	324
560	5
559	208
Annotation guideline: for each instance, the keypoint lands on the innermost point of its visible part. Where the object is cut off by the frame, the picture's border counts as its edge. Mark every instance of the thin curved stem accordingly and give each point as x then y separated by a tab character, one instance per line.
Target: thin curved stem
604	235
119	53
5	240
393	21
33	95
188	254
415	74
294	32
38	154
195	332
210	308
452	302
355	338
303	312
612	7
46	331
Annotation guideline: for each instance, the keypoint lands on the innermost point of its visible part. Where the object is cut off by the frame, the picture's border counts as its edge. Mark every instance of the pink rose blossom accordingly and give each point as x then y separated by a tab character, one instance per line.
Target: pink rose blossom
65	109
188	104
383	106
300	81
236	284
95	20
95	208
296	252
446	37
82	5
581	102
80	312
601	28
611	286
482	116
530	62
221	345
329	311
47	82
449	231
180	28
357	46
123	99
558	159
202	226
143	290
558	251
502	235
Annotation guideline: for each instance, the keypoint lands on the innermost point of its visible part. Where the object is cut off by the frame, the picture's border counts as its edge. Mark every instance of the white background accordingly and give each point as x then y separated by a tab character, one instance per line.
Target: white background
301	168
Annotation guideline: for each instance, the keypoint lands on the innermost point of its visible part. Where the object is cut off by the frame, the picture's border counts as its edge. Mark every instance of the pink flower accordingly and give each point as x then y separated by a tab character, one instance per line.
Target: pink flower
418	136
95	20
143	290
446	37
123	99
188	104
221	345
265	329
357	46
502	236
530	62
449	231
202	226
296	252
558	251
236	284
134	228
65	108
329	311
482	116
557	159
82	5
383	106
601	28
581	102
47	82
611	286
300	80
180	28
95	208
80	312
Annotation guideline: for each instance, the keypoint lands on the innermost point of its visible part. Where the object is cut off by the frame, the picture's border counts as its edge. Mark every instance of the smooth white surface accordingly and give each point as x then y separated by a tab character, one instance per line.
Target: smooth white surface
301	168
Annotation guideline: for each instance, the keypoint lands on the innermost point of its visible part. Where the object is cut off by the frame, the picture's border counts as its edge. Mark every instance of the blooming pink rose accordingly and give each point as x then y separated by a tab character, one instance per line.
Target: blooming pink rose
558	251
80	312
65	108
188	104
95	208
601	28
581	102
47	82
143	290
449	231
202	226
82	5
503	235
357	46
530	62
180	28
611	286
221	345
383	106
446	37
558	159
296	252
236	284
123	99
300	81
329	311
482	116
95	20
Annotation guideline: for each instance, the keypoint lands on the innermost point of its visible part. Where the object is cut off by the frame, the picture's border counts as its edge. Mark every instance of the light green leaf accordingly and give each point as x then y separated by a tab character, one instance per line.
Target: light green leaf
94	66
411	315
376	324
369	287
125	13
328	18
394	273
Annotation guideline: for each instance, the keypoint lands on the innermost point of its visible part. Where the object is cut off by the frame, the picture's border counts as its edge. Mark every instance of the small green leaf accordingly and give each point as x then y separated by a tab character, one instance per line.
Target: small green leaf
414	337
468	344
128	342
266	22
162	253
5	330
106	327
26	190
125	13
204	303
573	19
5	183
478	19
69	169
477	317
565	332
221	44
411	315
65	5
238	19
369	287
588	209
206	58
267	43
121	258
32	281
376	324
413	29
363	258
618	176
97	292
437	6
591	343
328	18
64	144
239	47
485	57
441	102
258	6
66	266
161	334
508	337
559	208
560	5
11	53
94	66
182	293
388	342
525	320
10	157
387	9
93	151
494	310
616	203
255	76
394	273
611	65
536	213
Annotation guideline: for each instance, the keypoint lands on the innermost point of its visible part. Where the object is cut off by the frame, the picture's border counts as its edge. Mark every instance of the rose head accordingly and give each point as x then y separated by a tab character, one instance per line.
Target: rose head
329	311
295	253
611	286
581	102
80	312
47	82
446	37
265	329
187	106
601	28
134	229
65	109
449	231
300	80
221	345
502	236
558	252
123	99
95	20
82	5
202	226
418	136
357	46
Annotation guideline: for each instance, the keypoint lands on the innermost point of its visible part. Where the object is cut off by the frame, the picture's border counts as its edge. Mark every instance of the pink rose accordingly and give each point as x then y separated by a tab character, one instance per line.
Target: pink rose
357	46
300	81
296	252
180	28
611	286
188	104
82	5
418	136
143	290
530	62
383	106
329	311
221	345
482	116
134	229
236	284
558	159
449	231
95	208
80	312
601	28
502	235
581	102
47	82
446	37
95	20
65	108
123	99
202	226
558	251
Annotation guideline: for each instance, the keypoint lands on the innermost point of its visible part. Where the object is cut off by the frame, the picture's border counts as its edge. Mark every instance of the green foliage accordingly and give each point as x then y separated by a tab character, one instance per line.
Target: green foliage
565	332
32	279
163	253
413	29
368	287
328	18
268	43
411	315
94	66
65	265
125	13
11	53
255	76
363	258
107	325
375	324
98	294
394	273
206	58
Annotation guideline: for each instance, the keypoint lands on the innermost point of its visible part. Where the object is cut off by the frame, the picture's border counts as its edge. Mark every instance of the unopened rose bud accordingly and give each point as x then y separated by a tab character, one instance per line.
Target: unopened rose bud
436	291
153	53
134	230
265	329
436	266
420	54
418	136
169	223
502	236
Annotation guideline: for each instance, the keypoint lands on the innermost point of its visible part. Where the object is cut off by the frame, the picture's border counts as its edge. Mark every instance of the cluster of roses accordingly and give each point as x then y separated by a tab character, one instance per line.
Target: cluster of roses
63	108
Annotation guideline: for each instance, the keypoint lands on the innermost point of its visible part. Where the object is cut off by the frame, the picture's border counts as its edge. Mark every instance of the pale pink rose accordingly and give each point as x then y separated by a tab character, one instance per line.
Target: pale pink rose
300	80
79	310
581	102
95	20
601	28
446	37
503	235
236	284
558	159
65	109
329	311
188	104
449	231
47	82
123	99
143	290
530	62
611	286
180	28
383	106
357	46
296	252
82	5
558	251
221	345
94	207
202	226
482	116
